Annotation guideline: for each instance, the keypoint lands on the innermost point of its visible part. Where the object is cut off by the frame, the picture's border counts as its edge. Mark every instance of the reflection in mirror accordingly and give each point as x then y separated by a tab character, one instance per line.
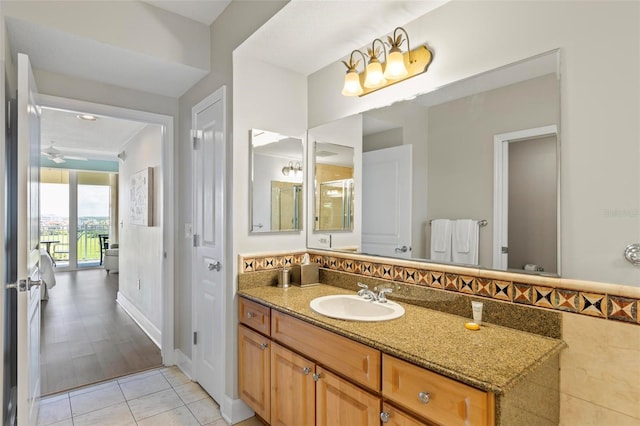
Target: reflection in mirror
333	199
276	182
433	171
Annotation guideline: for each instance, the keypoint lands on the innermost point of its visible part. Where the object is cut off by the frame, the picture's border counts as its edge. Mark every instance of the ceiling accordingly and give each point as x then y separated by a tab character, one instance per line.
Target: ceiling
199	10
102	139
306	35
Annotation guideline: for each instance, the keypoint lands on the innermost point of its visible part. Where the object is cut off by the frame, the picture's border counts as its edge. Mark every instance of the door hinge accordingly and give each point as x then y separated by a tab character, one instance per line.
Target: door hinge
505	250
195	142
196	240
195	337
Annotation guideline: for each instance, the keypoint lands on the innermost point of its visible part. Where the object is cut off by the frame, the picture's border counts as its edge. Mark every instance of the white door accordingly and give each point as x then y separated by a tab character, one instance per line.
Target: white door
28	238
209	267
386	201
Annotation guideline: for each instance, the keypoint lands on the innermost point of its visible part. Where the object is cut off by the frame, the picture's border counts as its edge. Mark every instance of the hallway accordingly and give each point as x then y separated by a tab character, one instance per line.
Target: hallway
86	337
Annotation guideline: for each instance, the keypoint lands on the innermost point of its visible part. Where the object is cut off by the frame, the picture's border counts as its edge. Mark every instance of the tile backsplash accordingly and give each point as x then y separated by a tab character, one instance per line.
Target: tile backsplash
612	302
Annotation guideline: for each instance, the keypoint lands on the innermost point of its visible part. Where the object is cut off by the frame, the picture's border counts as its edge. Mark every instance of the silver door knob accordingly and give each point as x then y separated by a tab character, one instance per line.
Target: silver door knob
263	346
385	416
402	249
306	371
214	265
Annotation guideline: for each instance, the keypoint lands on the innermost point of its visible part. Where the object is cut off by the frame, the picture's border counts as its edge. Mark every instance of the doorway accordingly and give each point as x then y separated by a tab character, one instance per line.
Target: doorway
526	207
95	223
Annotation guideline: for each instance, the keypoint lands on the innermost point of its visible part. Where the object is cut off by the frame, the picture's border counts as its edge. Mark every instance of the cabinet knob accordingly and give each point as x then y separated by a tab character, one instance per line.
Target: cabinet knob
250	315
306	371
385	416
316	377
264	346
424	397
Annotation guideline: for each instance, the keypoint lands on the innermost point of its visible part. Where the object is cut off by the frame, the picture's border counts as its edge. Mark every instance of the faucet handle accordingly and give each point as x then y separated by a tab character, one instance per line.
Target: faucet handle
382	298
363	287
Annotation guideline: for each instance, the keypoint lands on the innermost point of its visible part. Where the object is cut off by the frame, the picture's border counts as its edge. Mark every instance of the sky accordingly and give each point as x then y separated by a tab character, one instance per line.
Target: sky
93	200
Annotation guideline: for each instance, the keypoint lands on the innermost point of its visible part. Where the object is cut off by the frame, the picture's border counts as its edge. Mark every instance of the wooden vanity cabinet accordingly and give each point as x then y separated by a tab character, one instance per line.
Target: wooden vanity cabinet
254	370
301	374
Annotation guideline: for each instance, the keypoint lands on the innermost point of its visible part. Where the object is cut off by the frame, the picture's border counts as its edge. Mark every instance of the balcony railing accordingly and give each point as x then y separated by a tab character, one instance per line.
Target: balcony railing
88	241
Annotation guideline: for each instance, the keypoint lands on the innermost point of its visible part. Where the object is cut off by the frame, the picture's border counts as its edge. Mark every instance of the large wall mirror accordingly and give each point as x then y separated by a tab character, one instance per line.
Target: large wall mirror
276	182
469	173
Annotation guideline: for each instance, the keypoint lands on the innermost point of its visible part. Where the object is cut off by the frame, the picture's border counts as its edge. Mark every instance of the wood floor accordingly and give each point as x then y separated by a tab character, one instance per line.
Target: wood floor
86	336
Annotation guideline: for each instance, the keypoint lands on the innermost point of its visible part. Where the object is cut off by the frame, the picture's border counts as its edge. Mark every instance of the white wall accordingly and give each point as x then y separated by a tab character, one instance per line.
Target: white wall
140	253
599	44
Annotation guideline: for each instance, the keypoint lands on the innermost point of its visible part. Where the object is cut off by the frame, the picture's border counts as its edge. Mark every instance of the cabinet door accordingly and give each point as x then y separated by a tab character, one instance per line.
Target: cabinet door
292	387
254	367
338	402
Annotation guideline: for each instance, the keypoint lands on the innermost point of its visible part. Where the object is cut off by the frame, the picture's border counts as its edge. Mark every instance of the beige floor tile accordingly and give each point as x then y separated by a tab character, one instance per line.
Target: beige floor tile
147	384
180	416
191	392
97	399
138	376
54	410
115	415
175	376
253	421
575	411
153	404
205	410
220	422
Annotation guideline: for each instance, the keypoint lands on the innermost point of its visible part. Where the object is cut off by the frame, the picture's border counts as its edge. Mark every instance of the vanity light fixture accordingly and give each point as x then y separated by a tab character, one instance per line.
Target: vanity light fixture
397	66
292	169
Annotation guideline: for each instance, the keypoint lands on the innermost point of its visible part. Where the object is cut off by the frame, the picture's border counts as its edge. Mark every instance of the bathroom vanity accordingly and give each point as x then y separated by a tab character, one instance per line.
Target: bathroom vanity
297	367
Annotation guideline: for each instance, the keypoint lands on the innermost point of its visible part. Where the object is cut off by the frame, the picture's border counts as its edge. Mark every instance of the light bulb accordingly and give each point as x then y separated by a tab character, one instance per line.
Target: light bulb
352	84
395	67
374	75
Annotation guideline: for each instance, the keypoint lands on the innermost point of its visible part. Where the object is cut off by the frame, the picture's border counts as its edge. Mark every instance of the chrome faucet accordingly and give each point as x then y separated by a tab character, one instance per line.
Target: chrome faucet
367	294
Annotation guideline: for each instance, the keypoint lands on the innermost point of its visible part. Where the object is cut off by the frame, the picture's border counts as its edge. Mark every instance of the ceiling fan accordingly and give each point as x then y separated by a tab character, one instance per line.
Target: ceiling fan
57	156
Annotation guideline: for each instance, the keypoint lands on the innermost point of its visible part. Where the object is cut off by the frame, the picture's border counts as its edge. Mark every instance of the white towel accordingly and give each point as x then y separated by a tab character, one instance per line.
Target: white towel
464	247
441	240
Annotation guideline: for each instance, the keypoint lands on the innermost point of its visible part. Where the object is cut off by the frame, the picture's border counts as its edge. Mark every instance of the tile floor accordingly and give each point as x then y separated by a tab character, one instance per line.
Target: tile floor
160	397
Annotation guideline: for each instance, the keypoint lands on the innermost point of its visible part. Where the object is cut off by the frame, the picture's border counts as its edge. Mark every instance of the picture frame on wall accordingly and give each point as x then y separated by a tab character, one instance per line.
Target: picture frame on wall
141	197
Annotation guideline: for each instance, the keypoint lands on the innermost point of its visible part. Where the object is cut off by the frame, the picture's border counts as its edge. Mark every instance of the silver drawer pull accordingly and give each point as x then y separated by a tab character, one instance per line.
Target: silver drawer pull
250	315
264	346
424	397
316	377
306	371
385	416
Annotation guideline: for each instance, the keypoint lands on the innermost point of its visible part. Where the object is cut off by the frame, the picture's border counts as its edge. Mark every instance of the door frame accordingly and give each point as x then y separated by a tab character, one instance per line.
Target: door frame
501	188
219	94
168	205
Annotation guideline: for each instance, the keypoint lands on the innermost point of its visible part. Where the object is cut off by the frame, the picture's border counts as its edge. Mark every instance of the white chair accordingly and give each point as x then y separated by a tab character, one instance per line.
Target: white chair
111	259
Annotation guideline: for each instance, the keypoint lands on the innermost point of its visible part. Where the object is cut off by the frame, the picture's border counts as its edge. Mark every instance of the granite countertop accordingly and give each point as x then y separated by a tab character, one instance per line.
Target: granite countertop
493	359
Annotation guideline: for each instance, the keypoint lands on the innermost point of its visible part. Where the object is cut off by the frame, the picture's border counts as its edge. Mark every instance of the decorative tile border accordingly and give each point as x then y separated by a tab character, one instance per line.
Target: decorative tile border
535	291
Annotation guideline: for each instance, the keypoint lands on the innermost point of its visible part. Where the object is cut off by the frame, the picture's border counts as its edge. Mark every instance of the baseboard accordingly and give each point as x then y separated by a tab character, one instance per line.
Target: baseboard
235	410
147	326
184	363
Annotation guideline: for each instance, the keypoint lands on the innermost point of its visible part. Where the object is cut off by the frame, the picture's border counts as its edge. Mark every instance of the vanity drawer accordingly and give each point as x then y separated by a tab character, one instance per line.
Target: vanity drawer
254	315
435	397
354	360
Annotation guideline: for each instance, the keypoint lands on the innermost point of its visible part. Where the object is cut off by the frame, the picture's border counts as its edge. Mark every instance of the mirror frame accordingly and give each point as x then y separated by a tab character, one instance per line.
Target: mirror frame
251	185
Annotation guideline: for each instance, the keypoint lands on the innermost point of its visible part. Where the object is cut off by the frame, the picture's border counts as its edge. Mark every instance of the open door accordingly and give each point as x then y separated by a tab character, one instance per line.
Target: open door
28	254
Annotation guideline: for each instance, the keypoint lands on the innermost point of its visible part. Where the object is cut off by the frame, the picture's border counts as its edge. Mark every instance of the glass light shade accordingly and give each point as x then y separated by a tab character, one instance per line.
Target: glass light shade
395	67
352	84
374	75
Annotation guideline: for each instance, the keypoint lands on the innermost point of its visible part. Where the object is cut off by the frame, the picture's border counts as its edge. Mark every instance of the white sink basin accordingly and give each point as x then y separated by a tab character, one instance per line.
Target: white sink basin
355	308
